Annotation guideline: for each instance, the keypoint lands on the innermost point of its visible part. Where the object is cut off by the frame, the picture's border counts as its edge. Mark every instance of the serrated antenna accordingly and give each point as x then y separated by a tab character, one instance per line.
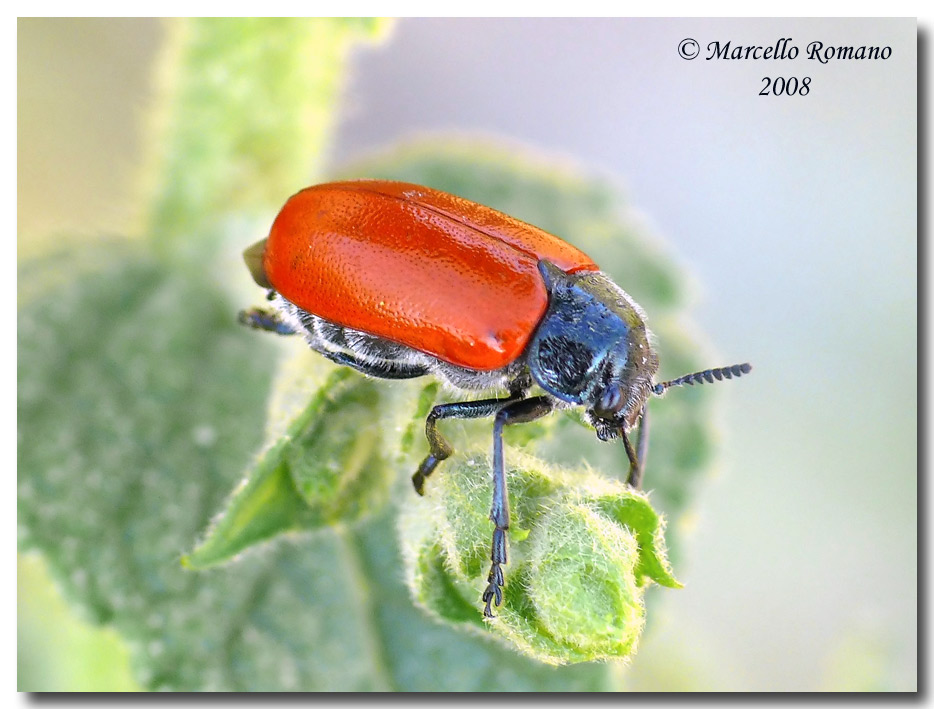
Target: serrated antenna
708	375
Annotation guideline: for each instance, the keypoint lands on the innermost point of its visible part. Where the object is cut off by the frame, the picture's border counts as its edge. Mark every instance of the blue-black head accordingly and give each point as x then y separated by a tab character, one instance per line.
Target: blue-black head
593	349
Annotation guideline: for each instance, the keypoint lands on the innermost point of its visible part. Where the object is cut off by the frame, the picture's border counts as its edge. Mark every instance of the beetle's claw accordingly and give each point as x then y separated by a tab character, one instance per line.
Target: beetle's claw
493	595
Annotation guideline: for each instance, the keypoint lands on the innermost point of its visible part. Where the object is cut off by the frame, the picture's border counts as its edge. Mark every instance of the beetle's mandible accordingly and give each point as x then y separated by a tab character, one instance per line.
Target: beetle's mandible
401	281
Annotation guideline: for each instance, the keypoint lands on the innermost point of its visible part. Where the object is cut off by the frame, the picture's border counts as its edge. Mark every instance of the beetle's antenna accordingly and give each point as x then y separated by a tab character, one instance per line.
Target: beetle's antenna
708	375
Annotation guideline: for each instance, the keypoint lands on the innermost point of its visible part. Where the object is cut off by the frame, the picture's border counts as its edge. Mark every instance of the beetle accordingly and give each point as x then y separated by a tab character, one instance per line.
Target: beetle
400	281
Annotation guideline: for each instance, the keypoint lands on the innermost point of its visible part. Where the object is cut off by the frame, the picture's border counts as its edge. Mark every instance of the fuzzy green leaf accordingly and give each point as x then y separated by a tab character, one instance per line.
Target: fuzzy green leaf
581	549
325	469
247	114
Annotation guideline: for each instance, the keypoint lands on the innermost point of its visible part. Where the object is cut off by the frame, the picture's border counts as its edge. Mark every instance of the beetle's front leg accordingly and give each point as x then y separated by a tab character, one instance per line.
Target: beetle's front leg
517	412
439	448
638	455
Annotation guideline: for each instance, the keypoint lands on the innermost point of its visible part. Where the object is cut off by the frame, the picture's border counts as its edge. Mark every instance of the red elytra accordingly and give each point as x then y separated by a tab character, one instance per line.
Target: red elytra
429	270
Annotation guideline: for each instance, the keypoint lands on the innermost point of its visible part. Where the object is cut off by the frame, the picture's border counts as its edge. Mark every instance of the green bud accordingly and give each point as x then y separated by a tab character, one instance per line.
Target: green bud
582	583
581	551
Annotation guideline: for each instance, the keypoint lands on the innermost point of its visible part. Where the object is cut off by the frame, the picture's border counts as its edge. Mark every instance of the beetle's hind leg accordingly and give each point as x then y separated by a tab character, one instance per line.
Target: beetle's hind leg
265	319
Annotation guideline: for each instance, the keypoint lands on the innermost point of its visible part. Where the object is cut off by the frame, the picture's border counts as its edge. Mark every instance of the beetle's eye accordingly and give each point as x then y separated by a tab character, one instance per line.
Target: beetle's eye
611	400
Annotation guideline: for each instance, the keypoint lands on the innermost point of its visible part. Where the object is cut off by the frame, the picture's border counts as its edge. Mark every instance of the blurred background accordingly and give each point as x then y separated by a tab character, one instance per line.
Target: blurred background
796	216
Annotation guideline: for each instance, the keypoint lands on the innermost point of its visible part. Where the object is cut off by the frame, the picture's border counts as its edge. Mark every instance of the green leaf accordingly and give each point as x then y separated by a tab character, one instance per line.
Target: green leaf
325	469
421	654
247	112
58	651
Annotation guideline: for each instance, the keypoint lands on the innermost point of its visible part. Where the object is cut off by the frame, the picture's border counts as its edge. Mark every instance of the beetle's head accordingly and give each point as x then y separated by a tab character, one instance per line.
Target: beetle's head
618	397
592	349
620	400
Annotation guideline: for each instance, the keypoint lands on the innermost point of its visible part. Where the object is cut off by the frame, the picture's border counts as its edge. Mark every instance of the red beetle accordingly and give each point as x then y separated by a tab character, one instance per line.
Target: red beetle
401	281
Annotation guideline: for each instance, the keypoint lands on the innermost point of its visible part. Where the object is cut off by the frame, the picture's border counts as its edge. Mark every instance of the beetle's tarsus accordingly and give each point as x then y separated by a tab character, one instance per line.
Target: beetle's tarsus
634	479
424	470
494	591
